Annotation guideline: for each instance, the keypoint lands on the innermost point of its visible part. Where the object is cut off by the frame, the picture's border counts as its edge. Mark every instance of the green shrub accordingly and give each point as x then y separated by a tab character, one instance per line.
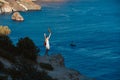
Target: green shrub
7	55
46	66
27	48
6	44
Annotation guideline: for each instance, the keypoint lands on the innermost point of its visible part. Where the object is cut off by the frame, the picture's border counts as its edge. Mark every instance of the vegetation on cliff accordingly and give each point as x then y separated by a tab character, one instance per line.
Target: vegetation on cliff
4	30
22	60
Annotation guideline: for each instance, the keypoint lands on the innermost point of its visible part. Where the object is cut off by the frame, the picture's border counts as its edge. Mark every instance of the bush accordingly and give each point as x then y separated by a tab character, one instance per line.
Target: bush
6	44
46	66
7	56
27	48
25	70
1	66
4	30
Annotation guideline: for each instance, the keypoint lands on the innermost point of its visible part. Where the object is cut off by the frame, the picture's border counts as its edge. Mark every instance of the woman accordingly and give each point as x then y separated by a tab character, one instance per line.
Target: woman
46	43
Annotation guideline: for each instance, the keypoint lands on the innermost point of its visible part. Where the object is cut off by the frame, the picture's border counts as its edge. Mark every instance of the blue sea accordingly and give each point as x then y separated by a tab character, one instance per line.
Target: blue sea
92	25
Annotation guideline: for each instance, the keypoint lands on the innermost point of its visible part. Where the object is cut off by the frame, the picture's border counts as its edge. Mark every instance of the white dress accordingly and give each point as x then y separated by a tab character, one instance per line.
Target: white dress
47	44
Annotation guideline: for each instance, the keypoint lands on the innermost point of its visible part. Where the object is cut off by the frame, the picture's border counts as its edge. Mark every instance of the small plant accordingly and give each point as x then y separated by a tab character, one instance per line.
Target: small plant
6	44
46	66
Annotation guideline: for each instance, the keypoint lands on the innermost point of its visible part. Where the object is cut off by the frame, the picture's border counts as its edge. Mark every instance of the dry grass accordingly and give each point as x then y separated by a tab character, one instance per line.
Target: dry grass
4	30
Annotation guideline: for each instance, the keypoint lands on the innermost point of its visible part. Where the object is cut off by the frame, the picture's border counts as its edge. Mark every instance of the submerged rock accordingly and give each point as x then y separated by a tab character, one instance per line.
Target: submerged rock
17	16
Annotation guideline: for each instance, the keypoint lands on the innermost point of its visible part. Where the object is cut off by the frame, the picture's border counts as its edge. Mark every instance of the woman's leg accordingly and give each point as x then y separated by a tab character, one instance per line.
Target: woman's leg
46	52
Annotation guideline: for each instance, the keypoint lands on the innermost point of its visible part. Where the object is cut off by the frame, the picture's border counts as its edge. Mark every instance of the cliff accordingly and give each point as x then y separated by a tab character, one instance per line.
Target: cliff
8	6
51	0
60	72
21	62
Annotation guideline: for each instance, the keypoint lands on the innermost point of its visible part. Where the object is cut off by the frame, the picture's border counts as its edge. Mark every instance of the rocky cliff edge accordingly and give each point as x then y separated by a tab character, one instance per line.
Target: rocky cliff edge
8	6
60	72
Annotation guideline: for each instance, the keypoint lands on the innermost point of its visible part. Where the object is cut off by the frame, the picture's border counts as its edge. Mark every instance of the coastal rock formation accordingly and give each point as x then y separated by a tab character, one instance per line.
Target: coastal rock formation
21	62
17	5
57	73
4	30
29	5
6	8
60	72
50	0
17	16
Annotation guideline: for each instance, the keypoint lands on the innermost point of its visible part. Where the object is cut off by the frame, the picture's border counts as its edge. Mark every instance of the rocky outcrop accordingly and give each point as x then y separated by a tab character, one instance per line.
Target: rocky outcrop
6	8
21	62
28	4
17	5
51	0
4	30
60	72
17	16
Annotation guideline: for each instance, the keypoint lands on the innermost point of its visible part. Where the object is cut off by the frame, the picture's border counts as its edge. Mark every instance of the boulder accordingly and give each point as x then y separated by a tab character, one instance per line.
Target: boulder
17	16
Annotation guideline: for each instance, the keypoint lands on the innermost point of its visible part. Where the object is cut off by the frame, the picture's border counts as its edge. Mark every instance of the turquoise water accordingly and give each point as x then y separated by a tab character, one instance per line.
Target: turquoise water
93	26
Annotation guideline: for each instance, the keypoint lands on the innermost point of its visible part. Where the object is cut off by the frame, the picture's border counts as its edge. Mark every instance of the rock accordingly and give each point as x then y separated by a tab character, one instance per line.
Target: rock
57	60
60	72
6	8
28	4
51	0
54	60
17	5
4	30
17	16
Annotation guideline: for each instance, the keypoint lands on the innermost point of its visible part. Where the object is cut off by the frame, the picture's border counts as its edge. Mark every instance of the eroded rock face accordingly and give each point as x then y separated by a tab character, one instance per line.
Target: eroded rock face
57	60
17	16
17	5
6	8
28	4
60	72
51	0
